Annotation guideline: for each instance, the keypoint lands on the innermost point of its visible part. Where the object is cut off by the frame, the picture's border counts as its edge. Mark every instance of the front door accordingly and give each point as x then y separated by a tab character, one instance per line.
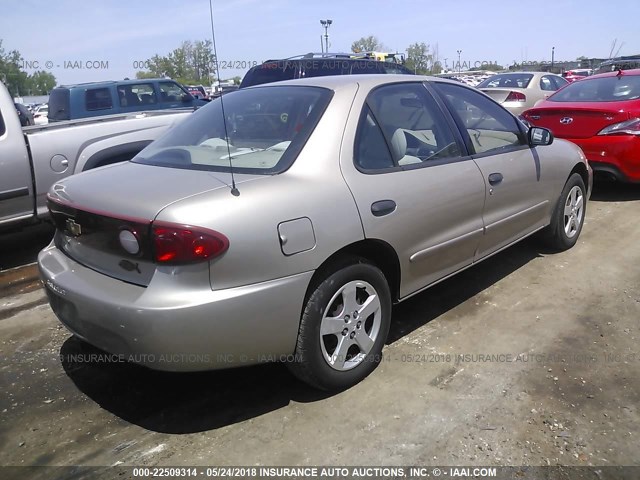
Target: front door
413	187
515	203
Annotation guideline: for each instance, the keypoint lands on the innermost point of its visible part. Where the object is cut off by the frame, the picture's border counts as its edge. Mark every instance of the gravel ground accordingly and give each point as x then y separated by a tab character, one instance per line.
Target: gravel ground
529	358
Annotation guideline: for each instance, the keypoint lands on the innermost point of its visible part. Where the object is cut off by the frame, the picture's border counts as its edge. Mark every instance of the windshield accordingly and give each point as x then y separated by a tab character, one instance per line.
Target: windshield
510	80
266	127
605	89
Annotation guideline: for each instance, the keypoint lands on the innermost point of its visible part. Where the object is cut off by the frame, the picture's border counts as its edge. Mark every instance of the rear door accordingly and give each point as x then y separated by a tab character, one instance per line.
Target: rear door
414	187
515	202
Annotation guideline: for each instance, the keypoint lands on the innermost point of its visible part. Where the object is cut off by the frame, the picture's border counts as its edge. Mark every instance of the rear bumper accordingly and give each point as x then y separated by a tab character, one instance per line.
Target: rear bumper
516	108
617	155
175	329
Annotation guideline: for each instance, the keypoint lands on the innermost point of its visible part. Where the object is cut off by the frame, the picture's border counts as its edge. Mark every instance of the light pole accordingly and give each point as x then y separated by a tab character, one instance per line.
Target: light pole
553	52
459	53
326	24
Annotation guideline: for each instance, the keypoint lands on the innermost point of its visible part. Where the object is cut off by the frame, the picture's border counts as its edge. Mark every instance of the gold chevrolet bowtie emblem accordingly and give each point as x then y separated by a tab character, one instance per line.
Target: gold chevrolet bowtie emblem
74	228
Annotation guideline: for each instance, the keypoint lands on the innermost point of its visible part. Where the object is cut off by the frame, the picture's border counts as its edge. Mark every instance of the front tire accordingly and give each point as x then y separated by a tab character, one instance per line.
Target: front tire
568	216
343	328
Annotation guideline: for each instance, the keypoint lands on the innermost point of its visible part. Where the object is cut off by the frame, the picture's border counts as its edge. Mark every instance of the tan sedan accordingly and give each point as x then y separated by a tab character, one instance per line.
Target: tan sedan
519	91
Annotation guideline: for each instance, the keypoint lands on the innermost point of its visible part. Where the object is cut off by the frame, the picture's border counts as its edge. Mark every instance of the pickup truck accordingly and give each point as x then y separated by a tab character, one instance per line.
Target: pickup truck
32	159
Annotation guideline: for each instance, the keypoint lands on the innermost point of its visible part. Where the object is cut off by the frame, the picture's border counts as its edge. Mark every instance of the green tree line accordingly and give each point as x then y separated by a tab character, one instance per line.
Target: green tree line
19	82
192	63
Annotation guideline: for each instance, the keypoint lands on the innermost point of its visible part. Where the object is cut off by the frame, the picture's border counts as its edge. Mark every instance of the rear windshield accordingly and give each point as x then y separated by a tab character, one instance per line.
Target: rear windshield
268	73
509	80
605	89
266	129
59	104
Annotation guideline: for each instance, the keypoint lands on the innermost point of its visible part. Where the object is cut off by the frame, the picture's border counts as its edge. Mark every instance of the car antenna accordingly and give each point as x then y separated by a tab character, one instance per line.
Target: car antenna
234	191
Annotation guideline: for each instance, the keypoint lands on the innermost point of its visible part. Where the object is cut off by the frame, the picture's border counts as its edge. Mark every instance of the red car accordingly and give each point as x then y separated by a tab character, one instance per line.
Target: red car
578	74
601	114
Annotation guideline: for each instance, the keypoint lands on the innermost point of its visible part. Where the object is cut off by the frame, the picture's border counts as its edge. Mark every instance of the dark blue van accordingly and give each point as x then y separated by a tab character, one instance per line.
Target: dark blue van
83	100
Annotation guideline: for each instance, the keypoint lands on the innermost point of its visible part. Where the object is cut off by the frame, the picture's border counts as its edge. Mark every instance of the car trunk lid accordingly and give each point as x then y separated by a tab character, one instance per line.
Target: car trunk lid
576	120
501	95
103	217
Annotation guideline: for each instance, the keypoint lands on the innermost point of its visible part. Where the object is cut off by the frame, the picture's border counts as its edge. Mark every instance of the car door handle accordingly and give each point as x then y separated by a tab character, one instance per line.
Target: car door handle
383	207
495	178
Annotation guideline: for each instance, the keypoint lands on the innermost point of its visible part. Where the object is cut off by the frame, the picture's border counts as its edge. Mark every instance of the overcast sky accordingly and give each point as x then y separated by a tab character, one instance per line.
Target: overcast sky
122	32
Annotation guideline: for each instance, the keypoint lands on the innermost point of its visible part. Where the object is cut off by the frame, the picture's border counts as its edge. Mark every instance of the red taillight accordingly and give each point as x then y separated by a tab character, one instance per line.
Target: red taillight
516	97
180	244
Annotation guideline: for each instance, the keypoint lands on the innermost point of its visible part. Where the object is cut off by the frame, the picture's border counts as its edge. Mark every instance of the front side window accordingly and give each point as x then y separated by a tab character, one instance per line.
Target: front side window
402	125
171	92
605	89
490	127
98	99
265	129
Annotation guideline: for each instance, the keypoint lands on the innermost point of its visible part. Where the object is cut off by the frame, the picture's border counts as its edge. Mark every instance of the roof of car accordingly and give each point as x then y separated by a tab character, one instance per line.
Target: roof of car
114	82
336	82
615	73
528	73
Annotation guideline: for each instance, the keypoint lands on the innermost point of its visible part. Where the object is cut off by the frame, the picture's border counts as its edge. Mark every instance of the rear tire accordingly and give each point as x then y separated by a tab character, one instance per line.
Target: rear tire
343	328
568	216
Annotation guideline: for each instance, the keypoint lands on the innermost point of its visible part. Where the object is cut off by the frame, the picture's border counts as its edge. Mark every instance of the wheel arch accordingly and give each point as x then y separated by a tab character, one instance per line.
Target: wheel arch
581	169
114	154
378	252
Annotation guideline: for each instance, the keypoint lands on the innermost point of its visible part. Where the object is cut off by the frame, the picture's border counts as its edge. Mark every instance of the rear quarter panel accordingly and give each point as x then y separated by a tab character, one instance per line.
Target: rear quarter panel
312	187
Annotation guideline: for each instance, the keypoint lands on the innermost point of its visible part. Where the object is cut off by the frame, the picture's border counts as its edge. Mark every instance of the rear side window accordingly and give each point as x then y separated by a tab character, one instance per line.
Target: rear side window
98	99
371	152
323	68
135	95
403	125
605	89
269	72
2	127
59	104
366	66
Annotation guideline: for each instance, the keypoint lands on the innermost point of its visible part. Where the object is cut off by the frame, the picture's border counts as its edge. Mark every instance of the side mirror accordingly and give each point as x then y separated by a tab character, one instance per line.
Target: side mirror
539	136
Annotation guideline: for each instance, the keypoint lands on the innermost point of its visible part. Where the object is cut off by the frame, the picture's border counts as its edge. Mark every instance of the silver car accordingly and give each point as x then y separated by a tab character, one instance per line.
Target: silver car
519	91
286	229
